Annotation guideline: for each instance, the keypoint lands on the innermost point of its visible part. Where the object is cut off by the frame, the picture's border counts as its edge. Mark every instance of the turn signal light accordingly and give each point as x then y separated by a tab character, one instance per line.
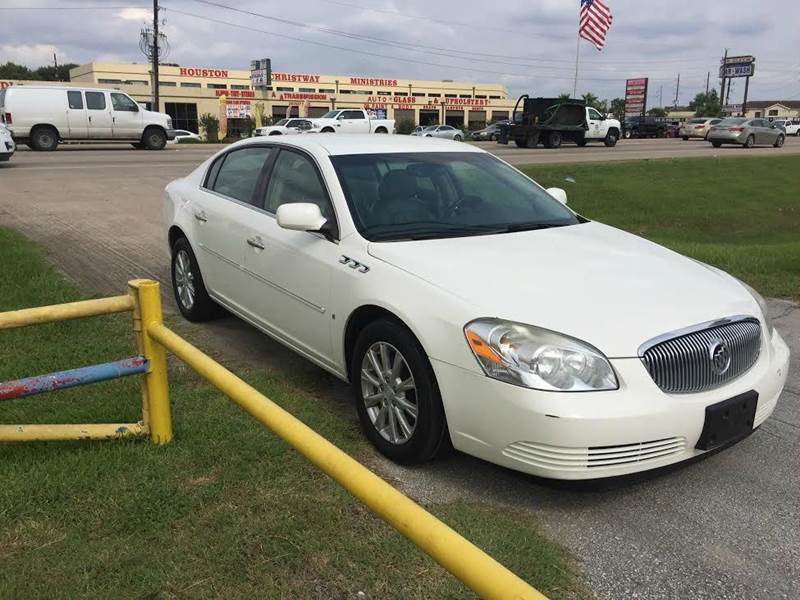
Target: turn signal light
736	129
7	119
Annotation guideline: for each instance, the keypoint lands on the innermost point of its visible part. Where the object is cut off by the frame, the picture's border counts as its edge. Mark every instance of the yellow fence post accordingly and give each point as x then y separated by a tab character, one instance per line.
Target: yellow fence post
155	392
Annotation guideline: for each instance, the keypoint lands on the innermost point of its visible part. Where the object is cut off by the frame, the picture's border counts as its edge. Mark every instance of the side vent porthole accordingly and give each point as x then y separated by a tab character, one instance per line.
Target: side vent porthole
353	264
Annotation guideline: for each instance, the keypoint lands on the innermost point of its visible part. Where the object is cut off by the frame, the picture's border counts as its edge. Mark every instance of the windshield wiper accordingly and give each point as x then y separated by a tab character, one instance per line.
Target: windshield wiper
530	227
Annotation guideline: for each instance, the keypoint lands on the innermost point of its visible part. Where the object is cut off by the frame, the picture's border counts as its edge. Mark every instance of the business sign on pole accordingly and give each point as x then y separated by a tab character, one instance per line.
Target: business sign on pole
737	66
261	73
635	96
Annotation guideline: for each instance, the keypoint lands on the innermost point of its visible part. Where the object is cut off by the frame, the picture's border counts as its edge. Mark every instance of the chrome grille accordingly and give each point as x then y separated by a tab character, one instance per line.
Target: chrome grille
684	363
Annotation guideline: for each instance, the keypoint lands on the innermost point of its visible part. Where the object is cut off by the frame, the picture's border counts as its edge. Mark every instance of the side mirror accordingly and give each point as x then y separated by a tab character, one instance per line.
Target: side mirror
340	117
300	216
558	194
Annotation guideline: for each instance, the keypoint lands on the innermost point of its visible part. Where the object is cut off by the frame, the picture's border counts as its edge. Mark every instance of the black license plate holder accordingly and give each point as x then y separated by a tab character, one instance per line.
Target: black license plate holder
728	421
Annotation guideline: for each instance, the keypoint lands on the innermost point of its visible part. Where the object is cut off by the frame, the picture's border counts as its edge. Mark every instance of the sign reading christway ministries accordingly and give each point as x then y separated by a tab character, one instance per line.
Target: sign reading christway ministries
635	96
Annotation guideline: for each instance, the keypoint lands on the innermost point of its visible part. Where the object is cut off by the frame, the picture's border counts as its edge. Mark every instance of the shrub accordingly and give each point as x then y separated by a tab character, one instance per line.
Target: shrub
405	126
210	124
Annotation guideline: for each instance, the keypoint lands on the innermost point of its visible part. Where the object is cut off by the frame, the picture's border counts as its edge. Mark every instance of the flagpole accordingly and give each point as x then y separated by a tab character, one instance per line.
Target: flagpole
577	56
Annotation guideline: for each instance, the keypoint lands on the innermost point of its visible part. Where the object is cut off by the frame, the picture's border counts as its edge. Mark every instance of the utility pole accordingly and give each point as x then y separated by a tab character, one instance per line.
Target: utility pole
156	105
661	96
744	102
708	80
677	90
722	86
55	60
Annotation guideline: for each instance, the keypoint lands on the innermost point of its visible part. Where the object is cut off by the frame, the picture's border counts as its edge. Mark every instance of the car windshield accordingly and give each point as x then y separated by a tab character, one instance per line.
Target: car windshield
731	121
331	114
426	195
282	122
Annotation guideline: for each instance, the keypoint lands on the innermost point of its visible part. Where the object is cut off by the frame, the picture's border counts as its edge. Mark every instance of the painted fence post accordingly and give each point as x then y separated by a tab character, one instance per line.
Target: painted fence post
155	391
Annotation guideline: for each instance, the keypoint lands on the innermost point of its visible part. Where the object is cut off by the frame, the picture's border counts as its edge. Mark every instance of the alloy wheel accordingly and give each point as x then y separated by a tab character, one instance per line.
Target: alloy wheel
184	279
389	392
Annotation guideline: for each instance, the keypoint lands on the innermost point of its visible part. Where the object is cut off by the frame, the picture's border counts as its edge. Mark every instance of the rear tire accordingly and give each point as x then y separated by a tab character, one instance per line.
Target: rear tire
457	138
716	144
685	138
779	142
188	287
521	142
44	138
405	418
381	130
154	138
553	140
750	141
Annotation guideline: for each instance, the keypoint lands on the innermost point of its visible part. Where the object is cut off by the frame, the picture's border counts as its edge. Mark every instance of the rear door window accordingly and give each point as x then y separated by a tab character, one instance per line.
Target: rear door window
75	100
238	173
95	100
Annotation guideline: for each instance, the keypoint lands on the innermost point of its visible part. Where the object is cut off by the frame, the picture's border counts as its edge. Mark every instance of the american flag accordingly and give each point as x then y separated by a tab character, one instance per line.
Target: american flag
595	21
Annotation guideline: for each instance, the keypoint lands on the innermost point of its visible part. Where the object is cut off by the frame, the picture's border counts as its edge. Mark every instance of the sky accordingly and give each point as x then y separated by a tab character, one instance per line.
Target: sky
529	46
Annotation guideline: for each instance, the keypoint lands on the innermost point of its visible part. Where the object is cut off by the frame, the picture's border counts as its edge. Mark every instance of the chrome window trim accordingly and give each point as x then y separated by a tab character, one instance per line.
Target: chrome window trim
693	329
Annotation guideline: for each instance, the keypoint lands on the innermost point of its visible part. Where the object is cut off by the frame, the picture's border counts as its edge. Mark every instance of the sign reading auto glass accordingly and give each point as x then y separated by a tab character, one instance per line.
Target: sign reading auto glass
738	66
261	73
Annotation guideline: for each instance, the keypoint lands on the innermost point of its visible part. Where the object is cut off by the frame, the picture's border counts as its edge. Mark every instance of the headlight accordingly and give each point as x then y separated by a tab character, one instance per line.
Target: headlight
762	304
538	358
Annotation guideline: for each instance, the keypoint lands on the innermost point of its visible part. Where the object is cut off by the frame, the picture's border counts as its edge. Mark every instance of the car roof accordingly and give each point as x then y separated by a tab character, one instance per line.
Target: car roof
335	144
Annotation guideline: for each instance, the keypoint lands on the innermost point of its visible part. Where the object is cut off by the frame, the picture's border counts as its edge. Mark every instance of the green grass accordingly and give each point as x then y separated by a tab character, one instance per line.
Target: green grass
226	510
739	214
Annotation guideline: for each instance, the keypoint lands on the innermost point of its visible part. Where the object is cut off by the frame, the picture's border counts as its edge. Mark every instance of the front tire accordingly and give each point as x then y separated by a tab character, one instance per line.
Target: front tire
154	139
750	141
611	138
685	138
553	140
457	138
397	397
716	144
381	130
188	286
779	142
44	139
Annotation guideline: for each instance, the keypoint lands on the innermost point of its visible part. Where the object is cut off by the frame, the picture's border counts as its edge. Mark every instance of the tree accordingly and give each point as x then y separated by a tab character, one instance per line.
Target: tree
657	112
590	99
563	96
706	105
617	108
210	125
59	73
14	71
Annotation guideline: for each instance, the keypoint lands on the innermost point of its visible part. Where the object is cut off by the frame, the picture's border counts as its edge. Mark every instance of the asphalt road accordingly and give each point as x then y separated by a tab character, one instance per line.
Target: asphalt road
727	526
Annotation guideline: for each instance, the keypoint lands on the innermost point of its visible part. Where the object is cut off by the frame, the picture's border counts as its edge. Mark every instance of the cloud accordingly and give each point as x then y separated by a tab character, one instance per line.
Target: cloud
533	41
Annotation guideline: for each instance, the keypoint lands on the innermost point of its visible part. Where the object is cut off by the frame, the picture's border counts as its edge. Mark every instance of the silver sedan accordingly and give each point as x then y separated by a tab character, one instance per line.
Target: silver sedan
746	132
441	131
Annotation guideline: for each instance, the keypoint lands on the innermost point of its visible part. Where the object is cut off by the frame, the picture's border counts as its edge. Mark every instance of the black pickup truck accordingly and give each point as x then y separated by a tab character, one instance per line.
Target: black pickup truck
644	127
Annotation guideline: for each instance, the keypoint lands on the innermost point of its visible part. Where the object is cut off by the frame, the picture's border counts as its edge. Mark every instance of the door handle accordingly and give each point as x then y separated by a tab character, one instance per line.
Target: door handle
201	216
256	242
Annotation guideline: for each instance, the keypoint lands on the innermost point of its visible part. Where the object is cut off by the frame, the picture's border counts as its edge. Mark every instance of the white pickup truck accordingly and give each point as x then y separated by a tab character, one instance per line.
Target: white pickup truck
351	120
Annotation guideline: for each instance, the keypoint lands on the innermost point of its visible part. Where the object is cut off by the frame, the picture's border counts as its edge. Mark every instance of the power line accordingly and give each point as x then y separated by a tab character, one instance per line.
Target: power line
367	52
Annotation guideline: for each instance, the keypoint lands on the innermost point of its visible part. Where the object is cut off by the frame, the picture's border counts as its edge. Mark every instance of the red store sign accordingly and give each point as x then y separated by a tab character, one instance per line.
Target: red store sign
5	84
195	72
236	93
296	77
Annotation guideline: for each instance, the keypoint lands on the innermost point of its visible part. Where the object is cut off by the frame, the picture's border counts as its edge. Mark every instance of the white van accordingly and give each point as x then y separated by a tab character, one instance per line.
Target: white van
44	116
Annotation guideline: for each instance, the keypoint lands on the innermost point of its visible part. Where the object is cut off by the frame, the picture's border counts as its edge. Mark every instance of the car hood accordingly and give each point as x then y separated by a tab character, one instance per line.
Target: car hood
609	288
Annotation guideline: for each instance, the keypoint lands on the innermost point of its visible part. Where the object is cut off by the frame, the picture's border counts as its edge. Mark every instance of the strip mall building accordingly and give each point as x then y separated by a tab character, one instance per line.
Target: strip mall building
186	92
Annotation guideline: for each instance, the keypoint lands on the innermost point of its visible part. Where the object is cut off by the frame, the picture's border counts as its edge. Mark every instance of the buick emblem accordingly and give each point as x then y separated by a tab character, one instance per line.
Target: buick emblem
720	356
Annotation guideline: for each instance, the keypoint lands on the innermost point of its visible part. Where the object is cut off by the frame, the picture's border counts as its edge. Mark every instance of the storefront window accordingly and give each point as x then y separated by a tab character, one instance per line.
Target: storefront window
184	115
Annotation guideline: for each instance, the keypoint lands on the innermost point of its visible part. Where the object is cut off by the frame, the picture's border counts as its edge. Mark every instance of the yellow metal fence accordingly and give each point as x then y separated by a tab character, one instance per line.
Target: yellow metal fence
479	571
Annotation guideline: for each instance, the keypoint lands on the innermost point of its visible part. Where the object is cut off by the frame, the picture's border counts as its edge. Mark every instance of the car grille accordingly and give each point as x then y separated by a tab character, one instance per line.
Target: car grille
580	459
686	363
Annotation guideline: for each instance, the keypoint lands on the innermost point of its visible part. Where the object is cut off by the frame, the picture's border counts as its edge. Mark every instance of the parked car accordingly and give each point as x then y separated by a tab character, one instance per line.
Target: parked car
790	127
446	132
381	260
746	132
490	132
183	134
284	127
672	130
351	120
644	127
44	116
697	128
7	145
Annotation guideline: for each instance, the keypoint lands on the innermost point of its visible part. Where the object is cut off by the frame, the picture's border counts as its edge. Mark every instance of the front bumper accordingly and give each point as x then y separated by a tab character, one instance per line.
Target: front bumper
593	434
170	134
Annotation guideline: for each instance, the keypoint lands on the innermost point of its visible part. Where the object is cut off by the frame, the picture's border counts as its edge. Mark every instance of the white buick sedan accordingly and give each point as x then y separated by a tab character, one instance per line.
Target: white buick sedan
469	306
